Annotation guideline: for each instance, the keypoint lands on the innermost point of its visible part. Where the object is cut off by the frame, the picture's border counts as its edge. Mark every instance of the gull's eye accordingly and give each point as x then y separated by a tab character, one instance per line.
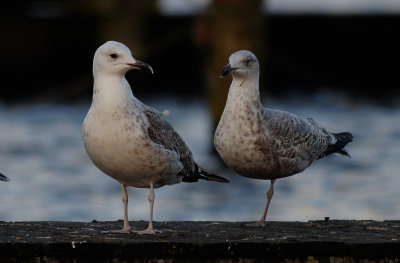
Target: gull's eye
249	60
113	55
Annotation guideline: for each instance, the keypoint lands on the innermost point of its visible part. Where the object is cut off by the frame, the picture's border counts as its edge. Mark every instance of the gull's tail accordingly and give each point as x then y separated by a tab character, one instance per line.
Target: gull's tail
203	175
211	177
342	139
4	178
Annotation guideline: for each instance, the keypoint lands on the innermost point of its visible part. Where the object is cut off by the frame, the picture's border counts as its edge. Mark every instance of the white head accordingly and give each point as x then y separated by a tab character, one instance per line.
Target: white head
242	64
115	58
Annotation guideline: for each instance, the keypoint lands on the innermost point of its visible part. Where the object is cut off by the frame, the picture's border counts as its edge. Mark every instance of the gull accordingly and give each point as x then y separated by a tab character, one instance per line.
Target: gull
262	143
129	141
4	178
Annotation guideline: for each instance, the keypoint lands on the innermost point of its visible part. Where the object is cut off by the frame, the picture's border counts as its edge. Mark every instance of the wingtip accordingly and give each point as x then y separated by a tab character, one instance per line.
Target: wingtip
214	177
344	153
219	179
342	139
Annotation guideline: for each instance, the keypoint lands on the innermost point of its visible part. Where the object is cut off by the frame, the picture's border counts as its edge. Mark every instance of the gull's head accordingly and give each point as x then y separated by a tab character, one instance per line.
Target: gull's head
242	64
115	58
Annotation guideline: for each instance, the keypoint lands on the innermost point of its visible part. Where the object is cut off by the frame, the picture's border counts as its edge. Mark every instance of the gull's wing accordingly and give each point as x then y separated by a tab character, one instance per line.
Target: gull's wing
294	137
161	132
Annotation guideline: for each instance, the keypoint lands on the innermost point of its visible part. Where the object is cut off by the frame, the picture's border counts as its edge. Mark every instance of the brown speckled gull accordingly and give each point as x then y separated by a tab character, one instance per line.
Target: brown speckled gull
129	141
262	143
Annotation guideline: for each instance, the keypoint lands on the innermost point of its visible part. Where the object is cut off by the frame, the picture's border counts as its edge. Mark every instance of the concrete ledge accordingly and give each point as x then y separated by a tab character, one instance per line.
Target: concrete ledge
314	241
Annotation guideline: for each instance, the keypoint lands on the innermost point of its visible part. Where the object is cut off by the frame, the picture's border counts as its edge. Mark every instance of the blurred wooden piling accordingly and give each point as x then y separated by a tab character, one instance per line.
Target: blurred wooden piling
125	21
314	241
234	25
301	52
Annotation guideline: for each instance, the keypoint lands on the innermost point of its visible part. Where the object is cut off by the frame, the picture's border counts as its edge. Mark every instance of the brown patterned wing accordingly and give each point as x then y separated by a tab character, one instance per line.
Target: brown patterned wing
296	136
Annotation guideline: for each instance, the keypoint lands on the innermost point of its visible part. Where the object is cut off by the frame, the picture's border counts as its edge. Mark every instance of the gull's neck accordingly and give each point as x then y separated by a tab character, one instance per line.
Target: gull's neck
110	90
244	92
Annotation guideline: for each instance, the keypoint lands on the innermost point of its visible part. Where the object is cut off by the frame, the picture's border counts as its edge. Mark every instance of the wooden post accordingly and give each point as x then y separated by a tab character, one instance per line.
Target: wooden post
234	25
203	241
123	21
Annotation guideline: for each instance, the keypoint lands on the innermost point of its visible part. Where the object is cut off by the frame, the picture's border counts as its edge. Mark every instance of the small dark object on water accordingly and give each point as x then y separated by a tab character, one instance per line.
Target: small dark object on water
4	178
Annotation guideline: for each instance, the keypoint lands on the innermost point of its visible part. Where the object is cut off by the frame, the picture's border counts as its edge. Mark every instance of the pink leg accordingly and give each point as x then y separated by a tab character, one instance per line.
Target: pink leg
127	228
270	193
150	230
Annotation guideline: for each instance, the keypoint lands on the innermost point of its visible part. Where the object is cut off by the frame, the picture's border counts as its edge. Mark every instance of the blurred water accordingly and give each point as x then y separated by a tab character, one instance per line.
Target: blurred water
53	179
189	7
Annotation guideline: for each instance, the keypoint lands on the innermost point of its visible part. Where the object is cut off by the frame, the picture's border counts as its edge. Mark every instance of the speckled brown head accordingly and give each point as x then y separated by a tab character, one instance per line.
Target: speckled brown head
242	63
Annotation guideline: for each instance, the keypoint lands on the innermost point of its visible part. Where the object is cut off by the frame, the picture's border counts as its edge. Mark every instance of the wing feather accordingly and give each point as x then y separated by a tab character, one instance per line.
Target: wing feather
296	137
161	132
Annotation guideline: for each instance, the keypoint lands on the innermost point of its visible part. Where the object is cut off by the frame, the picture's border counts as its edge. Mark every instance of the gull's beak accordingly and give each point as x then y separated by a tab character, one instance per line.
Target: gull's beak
141	65
225	70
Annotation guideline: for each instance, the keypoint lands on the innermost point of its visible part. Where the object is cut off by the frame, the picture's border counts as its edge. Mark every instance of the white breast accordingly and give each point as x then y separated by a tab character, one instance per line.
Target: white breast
115	137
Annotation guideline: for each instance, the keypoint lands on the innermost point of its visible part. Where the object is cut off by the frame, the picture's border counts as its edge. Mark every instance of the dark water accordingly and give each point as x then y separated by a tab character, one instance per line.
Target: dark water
53	179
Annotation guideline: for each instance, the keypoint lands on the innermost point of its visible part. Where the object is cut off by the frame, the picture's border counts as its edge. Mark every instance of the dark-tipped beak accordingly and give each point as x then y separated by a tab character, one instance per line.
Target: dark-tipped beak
141	65
225	70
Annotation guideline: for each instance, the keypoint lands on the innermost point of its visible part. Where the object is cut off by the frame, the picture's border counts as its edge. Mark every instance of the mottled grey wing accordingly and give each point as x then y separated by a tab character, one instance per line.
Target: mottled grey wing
296	137
161	132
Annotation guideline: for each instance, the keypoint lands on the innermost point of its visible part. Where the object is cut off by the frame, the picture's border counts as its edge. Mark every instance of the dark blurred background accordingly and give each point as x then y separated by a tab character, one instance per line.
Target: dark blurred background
334	60
46	47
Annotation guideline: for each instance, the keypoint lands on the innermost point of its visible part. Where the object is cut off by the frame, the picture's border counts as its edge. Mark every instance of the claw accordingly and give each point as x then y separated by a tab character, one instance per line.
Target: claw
146	232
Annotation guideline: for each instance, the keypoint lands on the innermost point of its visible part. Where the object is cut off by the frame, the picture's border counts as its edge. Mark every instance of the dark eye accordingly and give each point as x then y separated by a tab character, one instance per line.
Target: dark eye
113	55
249	60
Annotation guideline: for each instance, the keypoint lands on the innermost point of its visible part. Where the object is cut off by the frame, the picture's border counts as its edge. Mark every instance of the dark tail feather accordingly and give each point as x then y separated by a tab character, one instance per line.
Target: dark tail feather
4	178
343	139
201	174
343	152
212	177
